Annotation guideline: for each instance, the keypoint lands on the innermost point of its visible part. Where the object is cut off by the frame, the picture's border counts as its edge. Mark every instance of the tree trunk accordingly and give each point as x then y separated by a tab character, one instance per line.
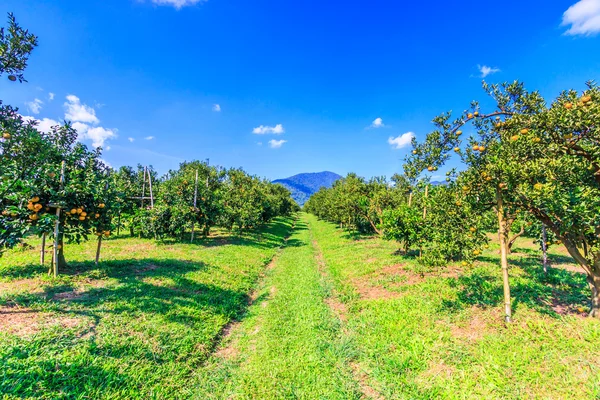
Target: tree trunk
98	248
62	262
544	249
503	234
594	281
512	241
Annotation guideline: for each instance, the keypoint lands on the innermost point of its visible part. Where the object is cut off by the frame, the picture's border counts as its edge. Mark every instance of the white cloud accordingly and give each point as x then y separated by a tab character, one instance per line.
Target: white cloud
131	140
97	134
259	143
401	140
149	137
216	108
275	144
584	18
43	125
262	130
35	106
50	96
77	112
485	70
178	4
377	123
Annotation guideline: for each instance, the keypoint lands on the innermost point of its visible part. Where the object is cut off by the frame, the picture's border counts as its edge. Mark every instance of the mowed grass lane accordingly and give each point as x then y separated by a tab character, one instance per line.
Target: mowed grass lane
422	334
291	345
140	325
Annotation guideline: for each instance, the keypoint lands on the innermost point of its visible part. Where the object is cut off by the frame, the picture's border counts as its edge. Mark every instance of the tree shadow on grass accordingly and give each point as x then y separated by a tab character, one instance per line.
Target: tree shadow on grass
556	293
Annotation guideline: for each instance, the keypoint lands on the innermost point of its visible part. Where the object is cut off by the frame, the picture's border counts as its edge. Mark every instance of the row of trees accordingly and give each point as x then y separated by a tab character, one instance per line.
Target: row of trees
54	186
526	164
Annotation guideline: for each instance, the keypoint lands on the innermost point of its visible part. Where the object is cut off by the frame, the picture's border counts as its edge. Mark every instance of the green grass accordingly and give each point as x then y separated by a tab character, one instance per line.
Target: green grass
137	326
334	316
441	335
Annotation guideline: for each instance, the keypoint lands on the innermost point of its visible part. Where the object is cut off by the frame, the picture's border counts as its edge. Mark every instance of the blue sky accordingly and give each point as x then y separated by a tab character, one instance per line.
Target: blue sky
307	80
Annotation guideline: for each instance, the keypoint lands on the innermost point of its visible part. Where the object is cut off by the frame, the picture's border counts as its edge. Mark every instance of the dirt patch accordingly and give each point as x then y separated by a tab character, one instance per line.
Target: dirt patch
146	268
381	283
21	285
563	308
22	321
363	382
370	260
478	325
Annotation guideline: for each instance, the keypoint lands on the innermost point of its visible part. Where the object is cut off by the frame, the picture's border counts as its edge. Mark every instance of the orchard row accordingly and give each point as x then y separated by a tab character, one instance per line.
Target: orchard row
524	166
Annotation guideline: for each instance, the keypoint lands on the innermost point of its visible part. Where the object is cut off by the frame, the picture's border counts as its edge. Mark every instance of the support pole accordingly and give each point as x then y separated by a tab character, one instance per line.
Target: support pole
544	249
43	251
195	204
57	224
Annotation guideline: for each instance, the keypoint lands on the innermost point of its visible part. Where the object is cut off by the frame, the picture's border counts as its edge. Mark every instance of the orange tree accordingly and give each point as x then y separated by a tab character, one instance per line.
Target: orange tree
176	212
434	222
75	181
21	146
530	157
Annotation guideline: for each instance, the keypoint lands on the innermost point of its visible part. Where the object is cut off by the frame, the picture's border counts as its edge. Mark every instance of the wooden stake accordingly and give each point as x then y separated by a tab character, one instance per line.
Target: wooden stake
57	224
544	249
43	252
150	186
143	188
503	234
195	203
410	196
425	206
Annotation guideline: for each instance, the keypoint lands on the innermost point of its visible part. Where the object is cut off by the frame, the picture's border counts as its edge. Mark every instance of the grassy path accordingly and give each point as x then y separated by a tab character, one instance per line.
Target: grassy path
291	345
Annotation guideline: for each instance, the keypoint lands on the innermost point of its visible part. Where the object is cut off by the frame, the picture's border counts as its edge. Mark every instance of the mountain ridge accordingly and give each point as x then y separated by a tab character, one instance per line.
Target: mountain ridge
304	185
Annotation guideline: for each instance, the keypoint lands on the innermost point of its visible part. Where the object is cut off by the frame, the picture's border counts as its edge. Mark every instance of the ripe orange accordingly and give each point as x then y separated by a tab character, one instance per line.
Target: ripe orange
538	186
464	263
476	147
30	206
514	138
472	229
476	113
79	211
430	168
469	115
568	136
6	135
457	149
83	214
414	152
481	148
82	218
73	211
587	98
458	133
524	131
101	205
568	106
476	252
34	199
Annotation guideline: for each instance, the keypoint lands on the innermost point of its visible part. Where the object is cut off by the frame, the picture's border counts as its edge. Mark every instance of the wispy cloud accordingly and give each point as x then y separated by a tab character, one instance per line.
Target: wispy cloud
35	106
275	144
262	130
149	138
485	70
178	4
131	140
377	123
401	140
583	17
50	96
216	108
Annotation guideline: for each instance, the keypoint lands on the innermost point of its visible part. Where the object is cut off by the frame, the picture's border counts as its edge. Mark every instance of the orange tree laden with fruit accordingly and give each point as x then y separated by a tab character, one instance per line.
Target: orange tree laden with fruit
22	148
529	158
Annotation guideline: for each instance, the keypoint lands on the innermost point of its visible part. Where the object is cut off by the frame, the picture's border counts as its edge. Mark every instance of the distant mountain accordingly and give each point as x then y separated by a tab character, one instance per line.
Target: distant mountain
303	186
